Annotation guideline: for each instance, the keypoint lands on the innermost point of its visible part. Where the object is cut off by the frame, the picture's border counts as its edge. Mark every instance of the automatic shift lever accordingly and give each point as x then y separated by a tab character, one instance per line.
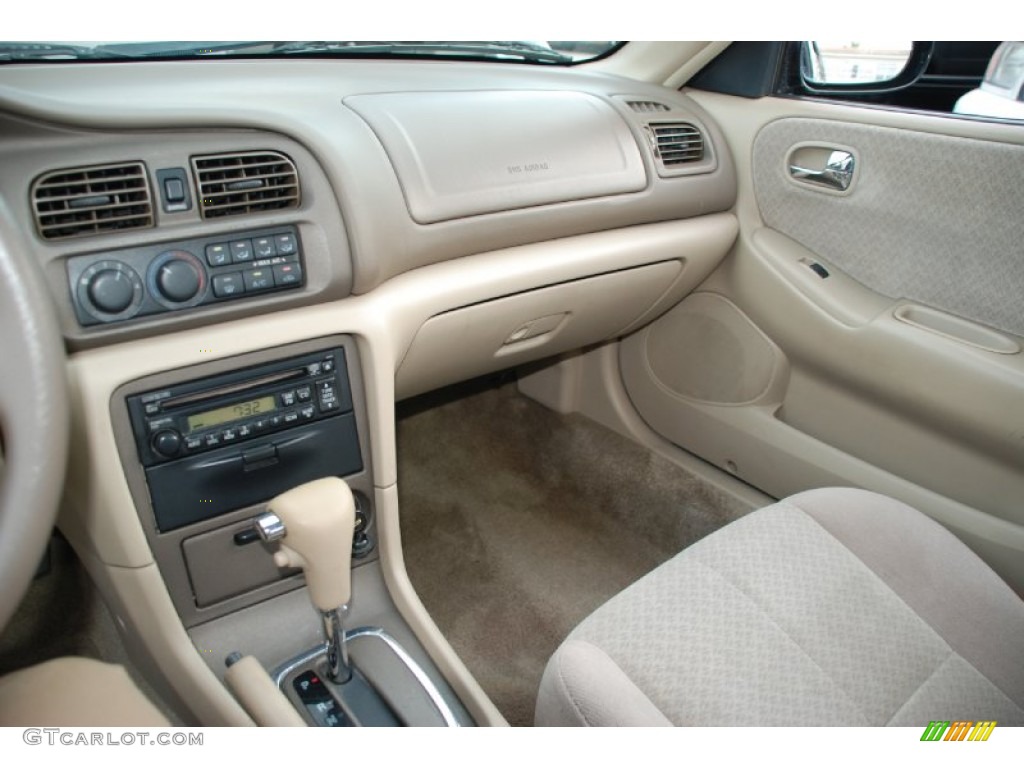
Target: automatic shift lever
315	523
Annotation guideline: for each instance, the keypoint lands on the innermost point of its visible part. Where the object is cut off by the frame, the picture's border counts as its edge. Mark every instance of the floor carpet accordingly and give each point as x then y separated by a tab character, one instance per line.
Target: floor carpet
61	615
517	522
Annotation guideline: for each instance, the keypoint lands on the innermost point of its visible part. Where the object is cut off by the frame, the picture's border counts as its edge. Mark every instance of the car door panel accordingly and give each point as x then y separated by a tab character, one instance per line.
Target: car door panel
934	219
900	371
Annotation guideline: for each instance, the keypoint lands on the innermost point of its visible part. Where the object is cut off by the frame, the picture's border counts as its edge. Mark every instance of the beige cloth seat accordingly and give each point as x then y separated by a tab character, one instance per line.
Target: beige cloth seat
74	691
832	607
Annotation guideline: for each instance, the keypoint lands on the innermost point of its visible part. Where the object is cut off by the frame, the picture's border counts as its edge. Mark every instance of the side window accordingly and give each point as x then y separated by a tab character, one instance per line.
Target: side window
982	79
1001	93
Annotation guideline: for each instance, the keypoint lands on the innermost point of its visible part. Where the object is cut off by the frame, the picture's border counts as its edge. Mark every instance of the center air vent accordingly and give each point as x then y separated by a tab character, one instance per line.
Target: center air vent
677	143
73	202
245	182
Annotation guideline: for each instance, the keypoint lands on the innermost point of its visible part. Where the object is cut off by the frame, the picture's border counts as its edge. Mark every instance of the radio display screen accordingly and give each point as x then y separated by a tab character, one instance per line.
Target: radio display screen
232	412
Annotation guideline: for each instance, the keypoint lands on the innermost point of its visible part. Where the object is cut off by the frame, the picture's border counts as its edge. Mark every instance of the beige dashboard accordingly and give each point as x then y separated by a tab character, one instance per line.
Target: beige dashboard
453	220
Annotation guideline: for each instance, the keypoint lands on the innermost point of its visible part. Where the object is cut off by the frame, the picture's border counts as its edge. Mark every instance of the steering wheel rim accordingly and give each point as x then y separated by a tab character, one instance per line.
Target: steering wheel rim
34	415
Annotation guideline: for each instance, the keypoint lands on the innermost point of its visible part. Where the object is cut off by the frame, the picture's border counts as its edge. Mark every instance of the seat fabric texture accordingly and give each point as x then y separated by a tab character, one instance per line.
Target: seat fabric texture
832	607
75	692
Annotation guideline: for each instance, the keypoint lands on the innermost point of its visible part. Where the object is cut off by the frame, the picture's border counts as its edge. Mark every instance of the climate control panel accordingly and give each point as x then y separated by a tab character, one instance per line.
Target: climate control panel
134	282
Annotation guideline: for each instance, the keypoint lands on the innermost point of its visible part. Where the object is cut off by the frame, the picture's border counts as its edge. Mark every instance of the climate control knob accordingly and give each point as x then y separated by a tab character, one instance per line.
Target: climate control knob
167	442
111	290
178	279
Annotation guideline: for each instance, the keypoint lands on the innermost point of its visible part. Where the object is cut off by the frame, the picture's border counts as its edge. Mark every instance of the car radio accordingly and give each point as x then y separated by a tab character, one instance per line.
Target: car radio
219	443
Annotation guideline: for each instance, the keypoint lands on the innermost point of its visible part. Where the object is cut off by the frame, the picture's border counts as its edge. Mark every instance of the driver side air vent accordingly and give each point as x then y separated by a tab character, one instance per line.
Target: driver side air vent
72	202
245	182
677	143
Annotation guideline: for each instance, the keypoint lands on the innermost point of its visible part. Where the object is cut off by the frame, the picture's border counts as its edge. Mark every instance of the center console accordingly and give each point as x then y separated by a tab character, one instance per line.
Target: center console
204	448
207	450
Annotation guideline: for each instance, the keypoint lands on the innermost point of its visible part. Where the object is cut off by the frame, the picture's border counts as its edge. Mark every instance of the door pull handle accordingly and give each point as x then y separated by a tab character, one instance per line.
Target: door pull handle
837	173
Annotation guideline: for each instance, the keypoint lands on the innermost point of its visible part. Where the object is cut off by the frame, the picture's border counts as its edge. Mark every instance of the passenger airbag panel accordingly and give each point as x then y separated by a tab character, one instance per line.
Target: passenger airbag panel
460	154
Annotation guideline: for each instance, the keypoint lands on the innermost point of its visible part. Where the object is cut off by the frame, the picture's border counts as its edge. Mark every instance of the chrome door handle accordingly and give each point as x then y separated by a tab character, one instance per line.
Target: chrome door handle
837	173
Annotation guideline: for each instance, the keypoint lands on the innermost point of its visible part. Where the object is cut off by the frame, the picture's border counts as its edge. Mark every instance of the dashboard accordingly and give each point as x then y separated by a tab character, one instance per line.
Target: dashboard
253	261
372	189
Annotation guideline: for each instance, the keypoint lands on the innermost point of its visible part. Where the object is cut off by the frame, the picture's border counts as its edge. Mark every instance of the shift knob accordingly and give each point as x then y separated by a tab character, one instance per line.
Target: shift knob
319	521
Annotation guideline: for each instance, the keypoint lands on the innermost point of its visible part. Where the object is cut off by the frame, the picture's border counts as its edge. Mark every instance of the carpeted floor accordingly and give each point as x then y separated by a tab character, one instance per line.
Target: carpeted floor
62	615
517	522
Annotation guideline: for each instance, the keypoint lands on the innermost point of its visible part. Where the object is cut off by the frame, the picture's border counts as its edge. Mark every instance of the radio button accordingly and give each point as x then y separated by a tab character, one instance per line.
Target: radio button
290	417
276	421
313	369
193	443
261	425
304	394
307	412
212	439
288	398
152	408
229	435
327	395
167	443
244	430
328	365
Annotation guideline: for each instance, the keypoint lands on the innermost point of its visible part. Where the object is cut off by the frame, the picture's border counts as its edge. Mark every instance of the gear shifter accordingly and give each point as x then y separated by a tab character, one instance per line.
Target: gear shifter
315	523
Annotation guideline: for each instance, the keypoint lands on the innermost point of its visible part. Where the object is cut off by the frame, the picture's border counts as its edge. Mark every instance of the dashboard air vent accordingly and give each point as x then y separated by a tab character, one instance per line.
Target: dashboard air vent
245	182
73	202
648	106
677	143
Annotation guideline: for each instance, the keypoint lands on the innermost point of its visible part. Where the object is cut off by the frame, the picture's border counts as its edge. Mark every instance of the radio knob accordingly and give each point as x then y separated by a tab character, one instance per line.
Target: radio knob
178	280
111	290
167	442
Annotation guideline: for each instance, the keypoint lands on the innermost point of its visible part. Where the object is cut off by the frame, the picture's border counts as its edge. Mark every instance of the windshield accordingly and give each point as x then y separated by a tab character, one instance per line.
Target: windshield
522	51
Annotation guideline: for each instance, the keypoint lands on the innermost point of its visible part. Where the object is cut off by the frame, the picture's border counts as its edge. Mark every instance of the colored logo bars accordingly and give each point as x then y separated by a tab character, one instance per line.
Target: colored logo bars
960	730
